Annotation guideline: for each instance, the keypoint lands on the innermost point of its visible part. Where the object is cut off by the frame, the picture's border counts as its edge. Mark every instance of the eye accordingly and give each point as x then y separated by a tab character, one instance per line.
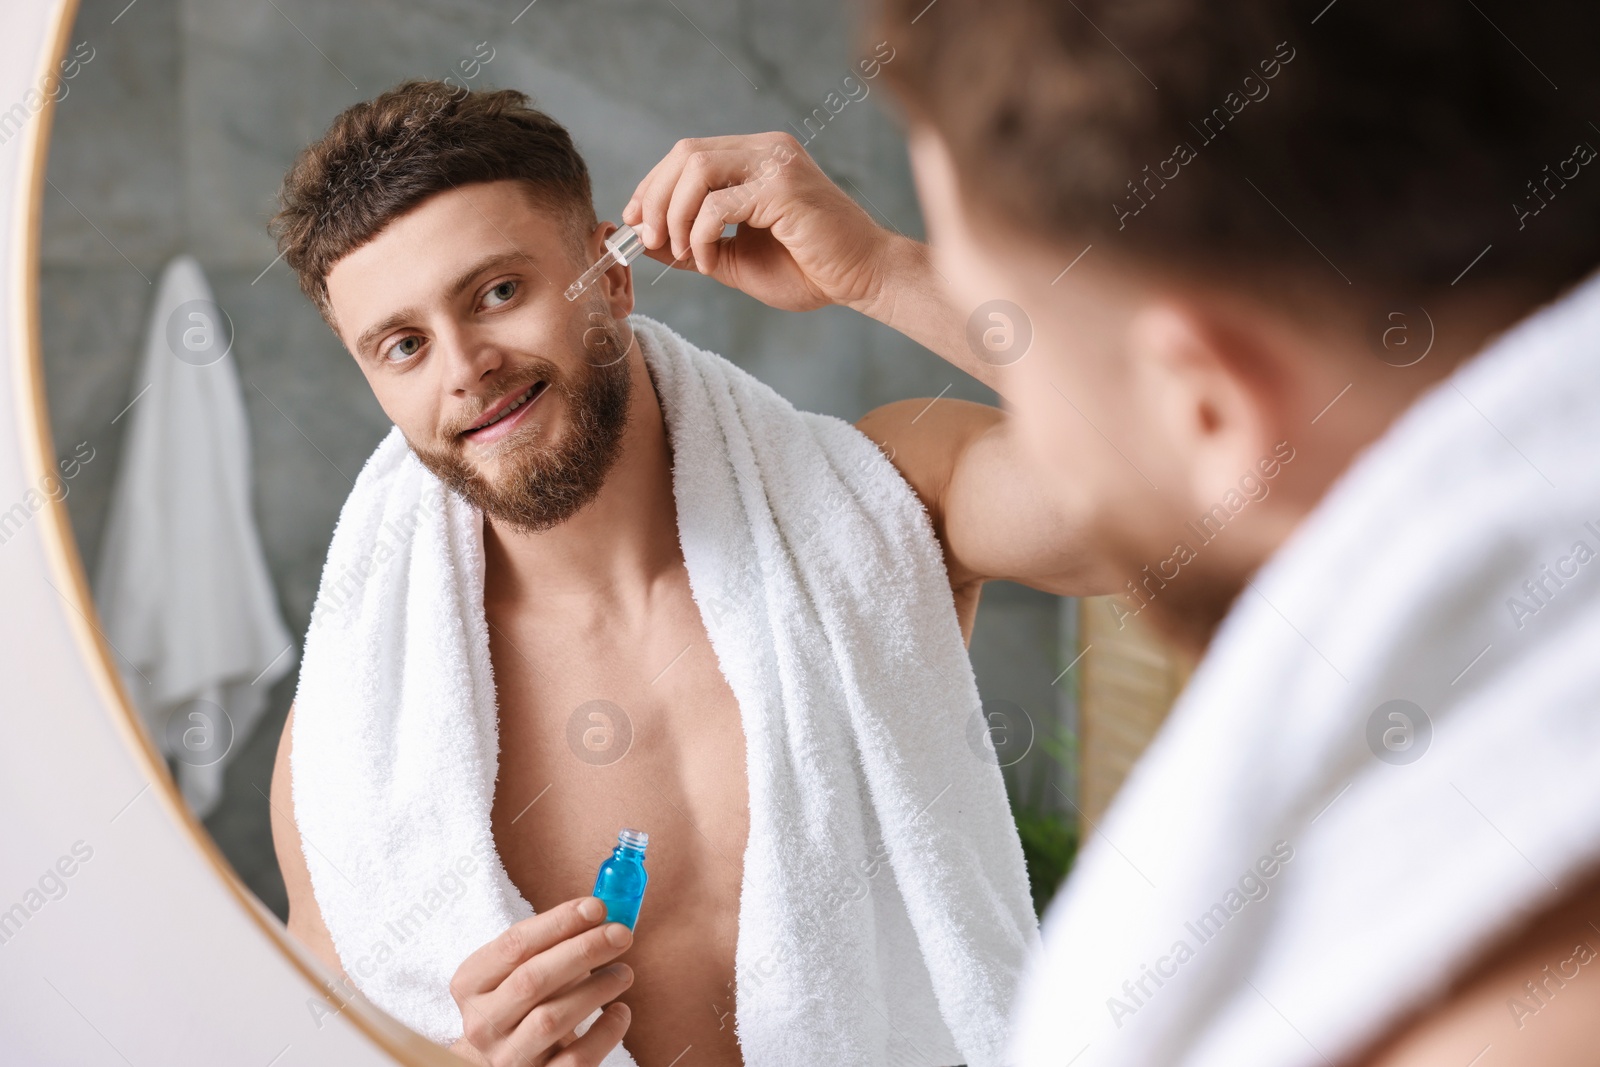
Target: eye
398	346
505	291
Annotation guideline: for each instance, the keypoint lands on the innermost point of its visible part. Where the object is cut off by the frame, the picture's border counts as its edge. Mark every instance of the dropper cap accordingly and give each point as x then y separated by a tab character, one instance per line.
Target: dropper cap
623	246
626	243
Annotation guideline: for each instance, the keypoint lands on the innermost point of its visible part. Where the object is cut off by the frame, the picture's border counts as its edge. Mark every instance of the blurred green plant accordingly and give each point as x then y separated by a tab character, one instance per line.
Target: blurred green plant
1049	836
1049	845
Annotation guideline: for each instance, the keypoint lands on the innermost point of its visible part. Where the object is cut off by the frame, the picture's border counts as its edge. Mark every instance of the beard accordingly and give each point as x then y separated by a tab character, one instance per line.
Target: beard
543	483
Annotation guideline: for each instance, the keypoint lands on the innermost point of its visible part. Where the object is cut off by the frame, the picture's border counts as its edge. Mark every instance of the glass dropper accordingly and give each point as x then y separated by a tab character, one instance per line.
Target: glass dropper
623	246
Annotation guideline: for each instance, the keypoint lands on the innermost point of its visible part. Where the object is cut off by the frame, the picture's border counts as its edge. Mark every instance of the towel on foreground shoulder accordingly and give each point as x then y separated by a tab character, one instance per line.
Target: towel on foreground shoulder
824	593
1387	708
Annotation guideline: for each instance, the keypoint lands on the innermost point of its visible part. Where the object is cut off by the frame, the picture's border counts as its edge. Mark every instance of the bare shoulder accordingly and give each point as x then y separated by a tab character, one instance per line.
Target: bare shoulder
924	437
305	918
1534	998
999	511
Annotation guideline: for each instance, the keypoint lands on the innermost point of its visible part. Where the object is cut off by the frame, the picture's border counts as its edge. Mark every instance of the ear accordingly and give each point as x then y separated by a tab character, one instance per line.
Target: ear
616	283
1208	388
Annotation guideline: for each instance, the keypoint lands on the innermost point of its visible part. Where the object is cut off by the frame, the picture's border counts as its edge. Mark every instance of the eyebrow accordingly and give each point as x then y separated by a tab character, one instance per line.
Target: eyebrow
372	333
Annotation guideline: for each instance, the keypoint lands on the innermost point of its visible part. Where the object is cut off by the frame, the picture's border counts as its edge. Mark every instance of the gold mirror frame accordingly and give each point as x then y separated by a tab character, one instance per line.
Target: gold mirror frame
272	973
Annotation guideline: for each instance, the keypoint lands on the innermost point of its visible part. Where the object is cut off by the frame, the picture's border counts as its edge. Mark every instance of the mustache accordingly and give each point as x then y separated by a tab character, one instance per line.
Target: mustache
538	371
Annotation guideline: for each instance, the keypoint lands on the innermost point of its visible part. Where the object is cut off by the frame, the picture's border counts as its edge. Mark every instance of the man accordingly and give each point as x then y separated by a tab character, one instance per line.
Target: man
443	275
1208	322
1311	365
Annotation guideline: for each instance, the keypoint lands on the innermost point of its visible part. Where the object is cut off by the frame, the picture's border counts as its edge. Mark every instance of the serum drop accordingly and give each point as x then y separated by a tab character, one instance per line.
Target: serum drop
620	882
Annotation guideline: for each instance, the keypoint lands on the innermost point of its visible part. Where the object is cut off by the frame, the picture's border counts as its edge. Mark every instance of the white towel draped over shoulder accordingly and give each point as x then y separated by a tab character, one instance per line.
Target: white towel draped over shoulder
885	915
1382	877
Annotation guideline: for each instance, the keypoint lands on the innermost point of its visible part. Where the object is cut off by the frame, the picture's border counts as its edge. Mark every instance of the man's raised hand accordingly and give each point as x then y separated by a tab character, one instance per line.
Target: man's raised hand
802	243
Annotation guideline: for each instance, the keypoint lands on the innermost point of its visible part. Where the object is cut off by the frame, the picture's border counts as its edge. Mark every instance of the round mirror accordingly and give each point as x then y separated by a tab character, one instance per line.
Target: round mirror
183	428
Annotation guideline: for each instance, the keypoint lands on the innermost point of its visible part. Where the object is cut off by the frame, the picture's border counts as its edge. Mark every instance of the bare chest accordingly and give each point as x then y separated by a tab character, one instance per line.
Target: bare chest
605	726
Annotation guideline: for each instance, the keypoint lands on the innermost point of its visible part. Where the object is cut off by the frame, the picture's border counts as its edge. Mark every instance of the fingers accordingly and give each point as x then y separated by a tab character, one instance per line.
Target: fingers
529	1033
702	172
550	1024
490	965
537	980
664	256
598	1041
666	204
705	230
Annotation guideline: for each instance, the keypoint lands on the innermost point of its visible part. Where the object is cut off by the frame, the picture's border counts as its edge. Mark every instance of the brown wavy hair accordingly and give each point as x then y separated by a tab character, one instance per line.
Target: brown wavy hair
382	157
1399	139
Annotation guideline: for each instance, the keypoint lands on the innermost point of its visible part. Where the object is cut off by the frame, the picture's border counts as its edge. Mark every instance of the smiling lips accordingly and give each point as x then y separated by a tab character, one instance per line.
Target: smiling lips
503	417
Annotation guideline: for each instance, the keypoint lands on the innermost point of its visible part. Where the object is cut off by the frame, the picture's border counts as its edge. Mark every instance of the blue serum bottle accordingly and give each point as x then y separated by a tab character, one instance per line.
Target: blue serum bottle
620	882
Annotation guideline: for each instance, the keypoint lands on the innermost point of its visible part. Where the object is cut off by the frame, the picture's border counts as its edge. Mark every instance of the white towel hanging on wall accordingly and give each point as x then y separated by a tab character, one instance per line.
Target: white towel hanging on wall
182	585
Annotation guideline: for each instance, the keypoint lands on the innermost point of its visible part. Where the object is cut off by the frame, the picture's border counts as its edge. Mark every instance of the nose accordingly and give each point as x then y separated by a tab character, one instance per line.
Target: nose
470	358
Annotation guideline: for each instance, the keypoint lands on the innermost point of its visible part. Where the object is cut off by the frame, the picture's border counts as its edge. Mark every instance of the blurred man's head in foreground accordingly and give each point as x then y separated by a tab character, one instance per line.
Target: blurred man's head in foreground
1242	235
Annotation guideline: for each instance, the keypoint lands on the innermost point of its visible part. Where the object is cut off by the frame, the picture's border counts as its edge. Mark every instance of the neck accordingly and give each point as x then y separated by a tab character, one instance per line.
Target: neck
618	546
1189	610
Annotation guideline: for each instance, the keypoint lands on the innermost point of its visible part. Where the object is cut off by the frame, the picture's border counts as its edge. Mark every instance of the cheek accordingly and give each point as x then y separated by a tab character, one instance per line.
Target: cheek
1063	412
1055	447
1075	429
1042	426
410	402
